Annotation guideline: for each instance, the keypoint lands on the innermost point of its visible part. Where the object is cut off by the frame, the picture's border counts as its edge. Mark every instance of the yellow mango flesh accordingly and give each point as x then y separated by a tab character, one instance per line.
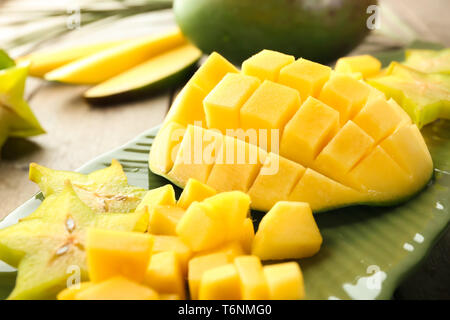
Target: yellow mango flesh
112	253
198	266
173	243
287	231
247	235
164	219
266	64
164	195
165	275
70	292
252	279
334	135
108	63
117	288
231	250
194	191
285	281
220	283
367	65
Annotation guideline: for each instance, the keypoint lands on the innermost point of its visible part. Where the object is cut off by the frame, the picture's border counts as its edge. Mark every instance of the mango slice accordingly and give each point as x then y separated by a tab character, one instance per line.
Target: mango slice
117	288
110	62
285	281
172	243
44	247
112	253
247	235
104	190
164	195
16	117
164	219
332	133
252	279
165	275
287	231
366	65
230	249
194	191
220	283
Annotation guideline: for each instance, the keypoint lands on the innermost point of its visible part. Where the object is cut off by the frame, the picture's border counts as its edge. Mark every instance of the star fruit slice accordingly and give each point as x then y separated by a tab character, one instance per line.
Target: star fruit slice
429	61
105	190
48	251
425	97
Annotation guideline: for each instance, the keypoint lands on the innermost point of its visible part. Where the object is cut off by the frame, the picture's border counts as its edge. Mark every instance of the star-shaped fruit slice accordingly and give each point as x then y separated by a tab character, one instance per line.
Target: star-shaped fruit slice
16	117
425	97
104	190
429	61
48	249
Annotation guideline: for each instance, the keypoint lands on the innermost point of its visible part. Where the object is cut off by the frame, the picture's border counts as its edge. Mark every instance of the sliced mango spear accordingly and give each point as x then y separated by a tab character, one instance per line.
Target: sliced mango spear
40	63
425	97
159	72
16	117
110	62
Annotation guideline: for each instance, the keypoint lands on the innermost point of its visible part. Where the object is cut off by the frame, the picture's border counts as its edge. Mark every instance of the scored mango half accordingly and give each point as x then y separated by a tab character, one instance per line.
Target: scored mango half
286	129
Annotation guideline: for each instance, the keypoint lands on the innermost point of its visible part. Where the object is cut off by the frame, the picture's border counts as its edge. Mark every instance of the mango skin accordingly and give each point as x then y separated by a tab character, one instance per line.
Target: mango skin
236	29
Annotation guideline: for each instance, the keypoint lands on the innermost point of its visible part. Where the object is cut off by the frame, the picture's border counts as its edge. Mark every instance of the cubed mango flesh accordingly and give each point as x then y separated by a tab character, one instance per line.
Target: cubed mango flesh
164	274
367	65
164	219
187	107
220	283
70	292
252	279
285	281
112	253
266	65
230	249
164	195
172	243
287	231
247	235
194	191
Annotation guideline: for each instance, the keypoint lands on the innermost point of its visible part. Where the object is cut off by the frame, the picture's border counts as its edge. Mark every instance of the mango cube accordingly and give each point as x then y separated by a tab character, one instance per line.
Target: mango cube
117	288
266	65
305	76
285	281
165	275
309	130
236	167
287	231
198	266
230	249
367	65
71	292
111	253
220	283
167	144
274	182
345	94
252	278
194	191
270	107
221	107
172	243
196	155
164	219
347	147
247	235
164	195
188	106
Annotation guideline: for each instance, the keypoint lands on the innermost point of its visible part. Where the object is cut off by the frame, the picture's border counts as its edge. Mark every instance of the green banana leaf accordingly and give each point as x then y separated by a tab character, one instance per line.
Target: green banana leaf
367	251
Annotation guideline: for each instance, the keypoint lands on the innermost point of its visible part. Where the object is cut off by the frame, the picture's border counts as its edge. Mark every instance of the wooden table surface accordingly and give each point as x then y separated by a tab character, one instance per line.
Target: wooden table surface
77	131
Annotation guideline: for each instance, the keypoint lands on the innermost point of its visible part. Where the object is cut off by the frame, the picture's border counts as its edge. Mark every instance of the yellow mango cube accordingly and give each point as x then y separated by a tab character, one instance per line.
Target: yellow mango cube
247	235
220	283
223	103
164	219
198	266
287	231
196	155
285	281
212	71
172	243
347	147
270	107
345	94
112	253
309	130
274	182
70	292
237	165
252	278
117	288
164	195
166	146
266	64
378	118
165	275
230	249
194	191
305	76
322	192
367	65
